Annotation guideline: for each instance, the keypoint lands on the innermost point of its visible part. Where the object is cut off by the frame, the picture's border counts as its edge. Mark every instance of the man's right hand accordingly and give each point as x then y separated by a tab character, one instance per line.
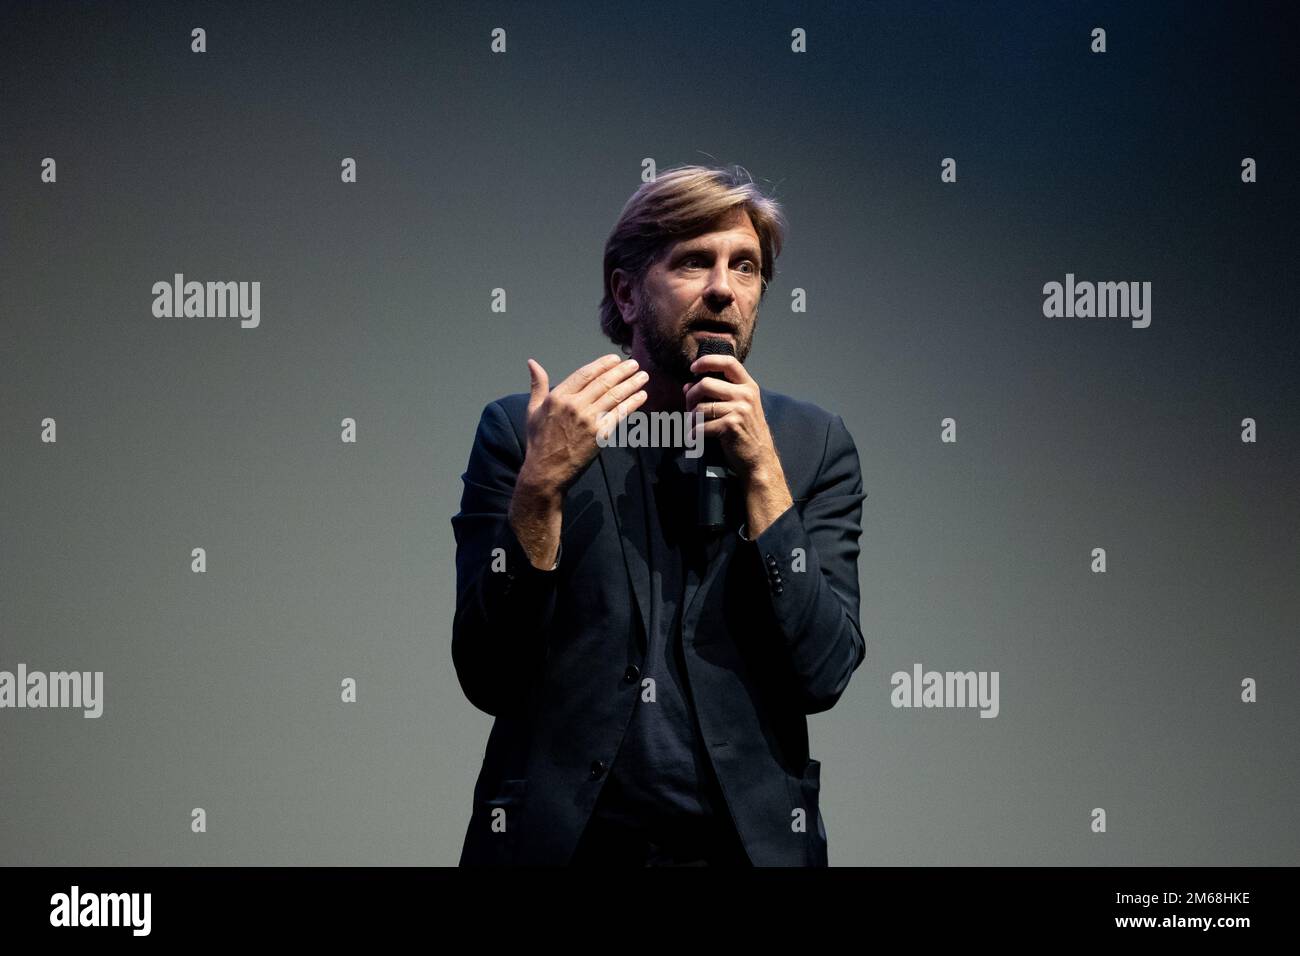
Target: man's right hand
563	425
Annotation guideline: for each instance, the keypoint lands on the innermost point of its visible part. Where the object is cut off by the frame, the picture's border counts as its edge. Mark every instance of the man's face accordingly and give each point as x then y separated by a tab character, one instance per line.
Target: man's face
705	286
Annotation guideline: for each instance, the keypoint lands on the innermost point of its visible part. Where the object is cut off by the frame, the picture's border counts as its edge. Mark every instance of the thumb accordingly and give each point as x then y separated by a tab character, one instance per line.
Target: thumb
539	385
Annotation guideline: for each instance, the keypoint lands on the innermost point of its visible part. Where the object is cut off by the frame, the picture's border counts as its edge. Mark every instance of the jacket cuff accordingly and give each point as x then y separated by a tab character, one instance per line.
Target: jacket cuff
514	578
788	562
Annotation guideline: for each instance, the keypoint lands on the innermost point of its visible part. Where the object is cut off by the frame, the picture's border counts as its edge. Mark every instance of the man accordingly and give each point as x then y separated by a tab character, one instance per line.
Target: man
650	677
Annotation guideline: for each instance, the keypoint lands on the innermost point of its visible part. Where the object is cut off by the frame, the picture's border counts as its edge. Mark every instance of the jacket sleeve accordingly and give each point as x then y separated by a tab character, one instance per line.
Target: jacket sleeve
809	569
504	604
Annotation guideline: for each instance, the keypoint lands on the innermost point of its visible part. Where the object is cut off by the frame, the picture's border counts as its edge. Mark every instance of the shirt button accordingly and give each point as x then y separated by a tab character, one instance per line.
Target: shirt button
631	674
597	768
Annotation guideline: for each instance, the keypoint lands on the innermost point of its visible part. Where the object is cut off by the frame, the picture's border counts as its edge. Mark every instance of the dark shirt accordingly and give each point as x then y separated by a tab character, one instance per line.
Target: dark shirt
661	781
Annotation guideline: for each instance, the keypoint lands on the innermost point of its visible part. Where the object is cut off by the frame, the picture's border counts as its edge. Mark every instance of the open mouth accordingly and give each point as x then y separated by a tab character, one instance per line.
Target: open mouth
712	327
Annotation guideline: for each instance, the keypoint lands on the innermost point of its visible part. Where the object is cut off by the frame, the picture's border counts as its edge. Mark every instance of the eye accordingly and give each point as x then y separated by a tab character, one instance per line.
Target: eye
750	263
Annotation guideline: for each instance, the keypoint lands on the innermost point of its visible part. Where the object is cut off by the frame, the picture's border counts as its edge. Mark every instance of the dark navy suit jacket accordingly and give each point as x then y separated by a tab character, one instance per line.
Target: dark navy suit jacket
770	634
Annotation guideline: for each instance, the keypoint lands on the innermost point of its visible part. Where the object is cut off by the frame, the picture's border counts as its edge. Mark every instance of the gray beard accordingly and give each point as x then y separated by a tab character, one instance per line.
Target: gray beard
673	352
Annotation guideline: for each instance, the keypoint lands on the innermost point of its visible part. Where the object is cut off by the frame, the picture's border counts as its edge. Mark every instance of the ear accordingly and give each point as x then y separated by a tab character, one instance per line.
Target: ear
624	292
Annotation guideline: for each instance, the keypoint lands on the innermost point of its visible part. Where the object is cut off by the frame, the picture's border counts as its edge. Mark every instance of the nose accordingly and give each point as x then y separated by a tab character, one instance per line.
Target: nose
718	294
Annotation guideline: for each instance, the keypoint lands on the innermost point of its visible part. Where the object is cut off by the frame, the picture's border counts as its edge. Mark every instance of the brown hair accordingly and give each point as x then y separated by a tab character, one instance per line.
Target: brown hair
679	204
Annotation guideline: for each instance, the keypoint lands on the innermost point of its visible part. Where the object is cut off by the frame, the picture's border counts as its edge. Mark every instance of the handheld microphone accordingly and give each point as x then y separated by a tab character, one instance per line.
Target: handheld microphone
711	499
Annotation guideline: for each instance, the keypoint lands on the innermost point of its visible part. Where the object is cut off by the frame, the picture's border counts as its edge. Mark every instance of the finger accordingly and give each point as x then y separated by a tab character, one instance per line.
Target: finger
605	424
610	419
715	427
602	383
622	390
713	389
702	427
538	385
711	411
728	365
579	379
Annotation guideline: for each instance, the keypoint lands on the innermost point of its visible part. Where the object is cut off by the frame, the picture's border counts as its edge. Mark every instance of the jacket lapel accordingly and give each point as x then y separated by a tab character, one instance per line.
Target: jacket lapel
623	481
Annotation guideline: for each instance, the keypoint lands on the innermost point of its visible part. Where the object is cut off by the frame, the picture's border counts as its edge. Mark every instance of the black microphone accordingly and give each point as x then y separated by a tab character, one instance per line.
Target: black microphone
713	473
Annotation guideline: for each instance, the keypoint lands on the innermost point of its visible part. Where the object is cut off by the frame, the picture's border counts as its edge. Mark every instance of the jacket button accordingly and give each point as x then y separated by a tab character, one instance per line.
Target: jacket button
631	674
779	589
597	768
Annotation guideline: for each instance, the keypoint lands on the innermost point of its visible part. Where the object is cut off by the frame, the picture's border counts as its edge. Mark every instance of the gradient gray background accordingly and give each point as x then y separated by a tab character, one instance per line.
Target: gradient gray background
328	560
